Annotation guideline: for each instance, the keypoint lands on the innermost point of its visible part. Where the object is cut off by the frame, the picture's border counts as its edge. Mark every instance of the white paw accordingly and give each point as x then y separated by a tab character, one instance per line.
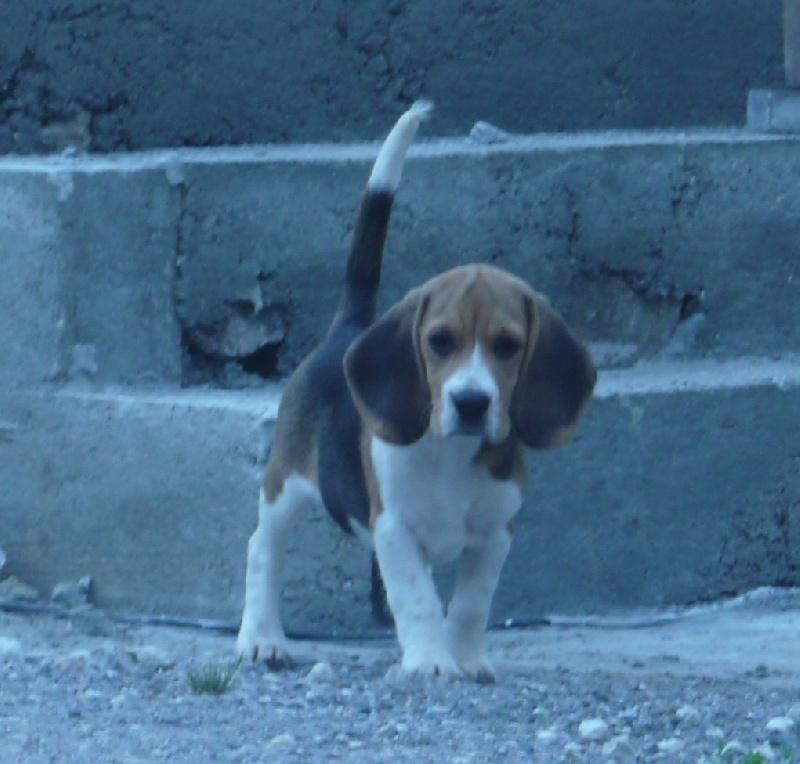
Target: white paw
273	651
478	669
431	663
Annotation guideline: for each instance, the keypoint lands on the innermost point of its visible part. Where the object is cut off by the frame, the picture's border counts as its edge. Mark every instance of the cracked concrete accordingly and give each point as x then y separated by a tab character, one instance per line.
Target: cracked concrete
649	243
136	75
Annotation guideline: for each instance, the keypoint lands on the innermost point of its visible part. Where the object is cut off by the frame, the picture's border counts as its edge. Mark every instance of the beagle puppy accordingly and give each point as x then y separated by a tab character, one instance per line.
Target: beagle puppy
411	430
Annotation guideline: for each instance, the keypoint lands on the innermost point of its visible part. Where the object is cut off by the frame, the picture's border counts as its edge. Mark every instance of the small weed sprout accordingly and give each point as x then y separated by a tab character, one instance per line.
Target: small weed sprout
752	758
213	679
786	754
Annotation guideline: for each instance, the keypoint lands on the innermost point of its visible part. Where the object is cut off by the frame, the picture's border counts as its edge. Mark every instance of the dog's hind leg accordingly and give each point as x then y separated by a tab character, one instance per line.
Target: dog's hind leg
261	635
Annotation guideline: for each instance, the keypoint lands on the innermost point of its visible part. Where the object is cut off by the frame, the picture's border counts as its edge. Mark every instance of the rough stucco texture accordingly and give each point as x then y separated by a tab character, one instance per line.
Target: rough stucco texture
135	75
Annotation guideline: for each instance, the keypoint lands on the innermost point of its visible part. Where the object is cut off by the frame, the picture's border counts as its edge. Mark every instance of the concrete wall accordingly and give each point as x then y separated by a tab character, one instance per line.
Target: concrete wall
144	73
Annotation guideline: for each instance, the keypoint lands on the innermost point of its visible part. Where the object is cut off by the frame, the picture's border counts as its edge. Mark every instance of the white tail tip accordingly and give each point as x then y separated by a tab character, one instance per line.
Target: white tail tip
420	110
388	167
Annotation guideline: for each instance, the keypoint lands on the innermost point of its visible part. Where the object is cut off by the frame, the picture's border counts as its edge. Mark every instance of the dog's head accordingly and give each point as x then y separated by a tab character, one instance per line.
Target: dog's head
474	351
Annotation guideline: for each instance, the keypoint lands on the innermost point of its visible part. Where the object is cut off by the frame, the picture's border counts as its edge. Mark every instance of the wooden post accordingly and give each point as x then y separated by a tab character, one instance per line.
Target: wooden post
791	42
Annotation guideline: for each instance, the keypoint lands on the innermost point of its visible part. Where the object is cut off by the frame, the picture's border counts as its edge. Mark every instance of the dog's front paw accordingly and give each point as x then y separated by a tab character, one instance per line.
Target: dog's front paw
479	669
431	663
272	651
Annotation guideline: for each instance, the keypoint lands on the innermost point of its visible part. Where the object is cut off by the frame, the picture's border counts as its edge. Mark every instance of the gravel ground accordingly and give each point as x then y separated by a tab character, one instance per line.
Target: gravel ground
88	690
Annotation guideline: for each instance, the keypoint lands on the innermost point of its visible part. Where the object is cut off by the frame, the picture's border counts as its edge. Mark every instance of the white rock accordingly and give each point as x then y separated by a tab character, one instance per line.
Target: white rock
780	729
687	714
714	733
14	589
285	738
780	724
573	748
670	745
117	701
486	133
10	646
2	561
69	594
547	735
322	673
765	751
619	750
794	712
593	729
74	660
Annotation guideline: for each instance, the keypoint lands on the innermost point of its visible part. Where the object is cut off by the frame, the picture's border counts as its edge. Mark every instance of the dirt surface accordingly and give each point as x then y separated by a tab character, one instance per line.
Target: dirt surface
714	685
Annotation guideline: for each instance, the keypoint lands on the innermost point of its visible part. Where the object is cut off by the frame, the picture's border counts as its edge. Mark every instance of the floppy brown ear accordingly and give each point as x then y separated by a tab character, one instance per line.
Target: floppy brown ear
555	382
384	372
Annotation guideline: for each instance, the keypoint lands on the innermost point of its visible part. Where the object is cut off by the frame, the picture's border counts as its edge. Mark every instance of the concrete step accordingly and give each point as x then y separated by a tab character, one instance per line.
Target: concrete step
683	485
168	266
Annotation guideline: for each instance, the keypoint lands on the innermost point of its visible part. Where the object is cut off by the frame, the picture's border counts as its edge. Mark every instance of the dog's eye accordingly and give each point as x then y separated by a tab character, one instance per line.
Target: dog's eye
442	343
506	347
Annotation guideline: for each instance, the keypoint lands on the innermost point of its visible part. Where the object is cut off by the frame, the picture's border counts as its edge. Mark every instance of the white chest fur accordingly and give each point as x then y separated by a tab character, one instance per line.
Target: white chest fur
444	499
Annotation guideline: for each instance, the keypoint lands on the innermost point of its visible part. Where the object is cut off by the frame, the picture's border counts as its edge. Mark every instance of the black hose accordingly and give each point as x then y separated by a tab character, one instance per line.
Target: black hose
229	627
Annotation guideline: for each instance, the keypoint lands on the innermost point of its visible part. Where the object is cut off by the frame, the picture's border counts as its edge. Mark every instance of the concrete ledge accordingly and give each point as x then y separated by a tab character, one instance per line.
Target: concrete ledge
174	159
683	485
653	223
774	111
664	242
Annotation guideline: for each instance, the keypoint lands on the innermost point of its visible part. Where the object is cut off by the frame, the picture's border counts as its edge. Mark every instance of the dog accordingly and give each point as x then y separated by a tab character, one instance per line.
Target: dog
411	430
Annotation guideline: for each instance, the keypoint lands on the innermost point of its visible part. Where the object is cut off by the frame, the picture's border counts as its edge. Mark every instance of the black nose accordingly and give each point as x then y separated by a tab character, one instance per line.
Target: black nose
471	405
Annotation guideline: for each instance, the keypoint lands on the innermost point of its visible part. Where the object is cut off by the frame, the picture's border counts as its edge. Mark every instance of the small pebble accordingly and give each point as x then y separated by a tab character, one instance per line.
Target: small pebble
765	751
486	133
322	672
593	729
780	730
619	750
285	738
687	714
10	646
118	700
70	594
794	712
15	590
670	745
547	735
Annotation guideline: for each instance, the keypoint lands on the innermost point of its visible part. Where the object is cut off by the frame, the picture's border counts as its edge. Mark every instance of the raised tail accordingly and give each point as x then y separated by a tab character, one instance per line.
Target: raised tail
363	275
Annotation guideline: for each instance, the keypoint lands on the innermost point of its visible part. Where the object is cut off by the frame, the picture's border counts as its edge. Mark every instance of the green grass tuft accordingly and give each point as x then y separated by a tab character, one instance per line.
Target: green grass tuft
213	679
